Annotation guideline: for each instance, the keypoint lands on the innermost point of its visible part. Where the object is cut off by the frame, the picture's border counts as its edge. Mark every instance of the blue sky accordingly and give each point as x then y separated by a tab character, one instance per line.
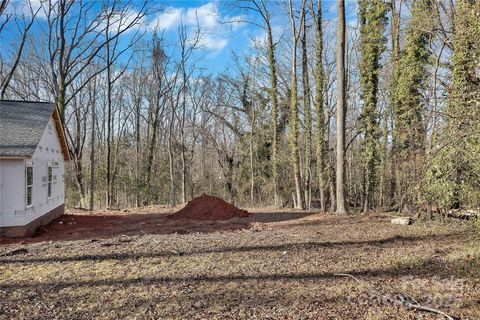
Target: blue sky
224	27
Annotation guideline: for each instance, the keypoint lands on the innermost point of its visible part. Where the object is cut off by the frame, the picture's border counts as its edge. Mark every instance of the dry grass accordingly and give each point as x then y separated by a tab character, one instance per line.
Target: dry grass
282	269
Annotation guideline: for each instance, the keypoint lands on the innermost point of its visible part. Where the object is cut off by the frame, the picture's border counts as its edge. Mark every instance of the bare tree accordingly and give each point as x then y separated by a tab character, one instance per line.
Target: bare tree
187	47
23	29
294	132
6	17
341	108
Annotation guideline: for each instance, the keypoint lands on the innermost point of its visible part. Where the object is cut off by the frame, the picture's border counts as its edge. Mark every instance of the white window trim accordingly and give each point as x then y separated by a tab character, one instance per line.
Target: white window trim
50	182
28	206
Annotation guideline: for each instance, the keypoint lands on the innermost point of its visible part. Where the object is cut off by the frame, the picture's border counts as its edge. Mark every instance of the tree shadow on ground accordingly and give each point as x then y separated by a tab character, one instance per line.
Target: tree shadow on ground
306	246
267	217
427	268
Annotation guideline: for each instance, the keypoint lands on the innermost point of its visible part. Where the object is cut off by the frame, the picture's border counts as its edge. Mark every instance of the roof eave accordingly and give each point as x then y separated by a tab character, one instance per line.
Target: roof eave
61	134
14	157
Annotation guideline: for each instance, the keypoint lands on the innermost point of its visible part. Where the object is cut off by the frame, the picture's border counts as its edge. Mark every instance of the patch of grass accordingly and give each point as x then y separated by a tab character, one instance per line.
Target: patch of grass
476	224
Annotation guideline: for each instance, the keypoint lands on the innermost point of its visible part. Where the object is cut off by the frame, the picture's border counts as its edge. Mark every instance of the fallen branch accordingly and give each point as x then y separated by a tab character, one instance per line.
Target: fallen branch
463	214
428	309
347	275
410	305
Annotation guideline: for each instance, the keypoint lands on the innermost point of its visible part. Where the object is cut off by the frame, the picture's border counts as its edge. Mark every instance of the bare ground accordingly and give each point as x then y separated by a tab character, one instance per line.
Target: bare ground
272	265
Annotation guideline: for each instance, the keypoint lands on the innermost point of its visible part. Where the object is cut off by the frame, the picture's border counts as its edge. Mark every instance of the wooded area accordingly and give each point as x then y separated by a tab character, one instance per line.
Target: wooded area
248	159
380	113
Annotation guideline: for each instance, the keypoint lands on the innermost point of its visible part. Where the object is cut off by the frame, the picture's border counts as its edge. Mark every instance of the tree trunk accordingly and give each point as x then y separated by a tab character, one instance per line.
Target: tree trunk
372	27
60	80
92	162
294	130
273	97
320	125
151	147
137	155
395	56
252	167
173	195
274	104
341	108
108	192
308	121
182	129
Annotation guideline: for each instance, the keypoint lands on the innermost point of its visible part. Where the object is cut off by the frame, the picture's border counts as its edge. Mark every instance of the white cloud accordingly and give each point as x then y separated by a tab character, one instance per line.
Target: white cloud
167	20
26	8
214	28
213	43
206	16
121	21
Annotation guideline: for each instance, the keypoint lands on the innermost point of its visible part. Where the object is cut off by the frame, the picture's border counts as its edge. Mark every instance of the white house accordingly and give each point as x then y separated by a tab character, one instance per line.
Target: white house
33	149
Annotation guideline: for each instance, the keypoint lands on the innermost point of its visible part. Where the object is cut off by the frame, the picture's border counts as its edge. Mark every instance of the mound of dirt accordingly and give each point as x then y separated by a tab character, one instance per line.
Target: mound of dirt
207	207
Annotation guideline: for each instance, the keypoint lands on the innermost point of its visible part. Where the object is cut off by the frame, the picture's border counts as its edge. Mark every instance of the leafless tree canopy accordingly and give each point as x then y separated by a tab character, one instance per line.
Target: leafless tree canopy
290	121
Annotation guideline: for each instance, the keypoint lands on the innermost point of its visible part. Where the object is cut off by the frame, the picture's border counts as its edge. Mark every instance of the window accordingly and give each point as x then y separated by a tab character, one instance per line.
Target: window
29	185
49	181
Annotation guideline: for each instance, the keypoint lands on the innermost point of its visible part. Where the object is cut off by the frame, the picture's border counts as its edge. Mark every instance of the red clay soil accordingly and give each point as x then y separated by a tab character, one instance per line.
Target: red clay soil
211	208
85	225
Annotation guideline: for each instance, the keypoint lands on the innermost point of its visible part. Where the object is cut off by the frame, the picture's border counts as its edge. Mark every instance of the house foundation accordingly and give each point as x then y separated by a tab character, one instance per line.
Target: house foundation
29	229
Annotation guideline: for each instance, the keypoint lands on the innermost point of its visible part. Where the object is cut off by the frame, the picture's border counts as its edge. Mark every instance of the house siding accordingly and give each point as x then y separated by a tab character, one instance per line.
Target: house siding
12	182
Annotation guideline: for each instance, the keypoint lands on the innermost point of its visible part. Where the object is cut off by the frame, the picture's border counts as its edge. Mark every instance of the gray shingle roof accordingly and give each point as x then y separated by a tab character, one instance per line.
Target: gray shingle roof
21	126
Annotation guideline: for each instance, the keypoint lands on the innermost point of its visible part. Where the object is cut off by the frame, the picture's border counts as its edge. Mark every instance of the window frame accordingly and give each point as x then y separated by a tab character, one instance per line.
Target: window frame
28	186
49	180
